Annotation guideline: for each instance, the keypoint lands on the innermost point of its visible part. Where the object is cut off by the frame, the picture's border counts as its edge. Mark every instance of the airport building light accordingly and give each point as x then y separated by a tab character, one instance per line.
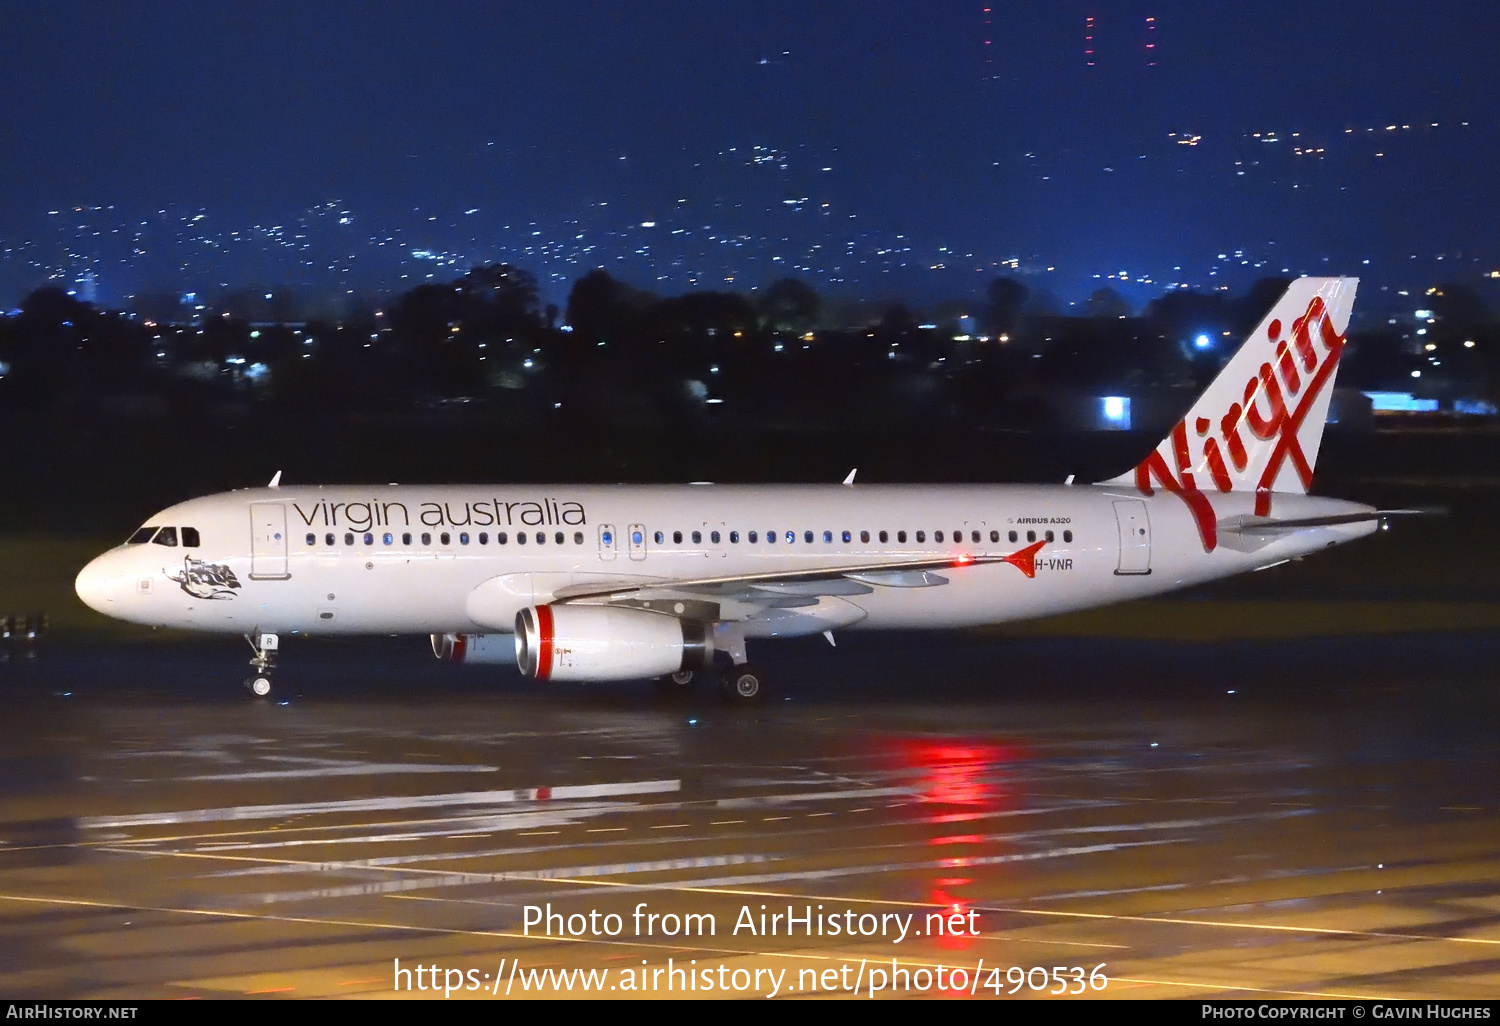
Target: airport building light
1400	402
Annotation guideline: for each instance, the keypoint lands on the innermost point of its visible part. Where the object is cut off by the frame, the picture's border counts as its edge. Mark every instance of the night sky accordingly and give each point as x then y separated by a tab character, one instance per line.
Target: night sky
875	149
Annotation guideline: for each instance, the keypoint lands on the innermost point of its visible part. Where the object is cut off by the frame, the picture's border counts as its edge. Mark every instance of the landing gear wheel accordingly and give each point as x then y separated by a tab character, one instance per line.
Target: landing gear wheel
744	684
265	646
682	678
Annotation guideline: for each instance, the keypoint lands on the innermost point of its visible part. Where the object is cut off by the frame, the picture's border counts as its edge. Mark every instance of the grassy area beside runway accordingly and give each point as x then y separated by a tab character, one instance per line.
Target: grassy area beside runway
1252	619
36	576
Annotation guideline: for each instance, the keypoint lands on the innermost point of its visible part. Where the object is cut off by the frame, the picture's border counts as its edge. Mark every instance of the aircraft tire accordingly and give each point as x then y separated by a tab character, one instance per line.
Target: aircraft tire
744	685
259	685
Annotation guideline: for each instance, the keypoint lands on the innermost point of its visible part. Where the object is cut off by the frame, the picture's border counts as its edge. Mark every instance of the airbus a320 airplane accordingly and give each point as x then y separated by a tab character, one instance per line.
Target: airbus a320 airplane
613	583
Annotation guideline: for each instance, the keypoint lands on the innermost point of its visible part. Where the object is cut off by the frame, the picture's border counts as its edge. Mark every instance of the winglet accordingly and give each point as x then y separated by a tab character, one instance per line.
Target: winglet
1025	559
850	479
275	481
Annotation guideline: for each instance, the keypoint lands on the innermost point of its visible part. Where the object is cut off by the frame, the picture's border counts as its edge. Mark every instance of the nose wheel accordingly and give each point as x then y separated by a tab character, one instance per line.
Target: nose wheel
265	647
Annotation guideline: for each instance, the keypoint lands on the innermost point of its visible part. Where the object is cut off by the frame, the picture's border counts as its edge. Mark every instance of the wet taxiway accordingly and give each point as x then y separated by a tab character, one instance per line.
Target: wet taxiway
1312	817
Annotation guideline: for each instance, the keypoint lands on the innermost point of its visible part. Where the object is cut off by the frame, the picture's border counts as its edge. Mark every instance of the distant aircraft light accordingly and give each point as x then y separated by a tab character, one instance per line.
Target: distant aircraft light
1203	341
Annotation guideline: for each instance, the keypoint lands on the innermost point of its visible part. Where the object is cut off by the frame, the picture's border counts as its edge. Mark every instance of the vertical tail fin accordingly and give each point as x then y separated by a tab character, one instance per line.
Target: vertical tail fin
1258	427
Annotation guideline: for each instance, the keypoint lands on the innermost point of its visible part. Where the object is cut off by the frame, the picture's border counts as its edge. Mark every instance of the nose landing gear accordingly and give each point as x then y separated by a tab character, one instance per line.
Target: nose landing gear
265	647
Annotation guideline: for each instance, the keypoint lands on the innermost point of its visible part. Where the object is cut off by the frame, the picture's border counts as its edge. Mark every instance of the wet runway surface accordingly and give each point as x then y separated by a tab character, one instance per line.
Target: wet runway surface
1318	817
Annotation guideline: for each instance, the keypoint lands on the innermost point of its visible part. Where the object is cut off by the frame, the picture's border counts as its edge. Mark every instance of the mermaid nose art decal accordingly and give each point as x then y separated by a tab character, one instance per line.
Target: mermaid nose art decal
205	580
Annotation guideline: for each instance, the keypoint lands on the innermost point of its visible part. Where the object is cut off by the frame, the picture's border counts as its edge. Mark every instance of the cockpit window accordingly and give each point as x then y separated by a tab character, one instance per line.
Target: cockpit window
142	536
190	538
166	536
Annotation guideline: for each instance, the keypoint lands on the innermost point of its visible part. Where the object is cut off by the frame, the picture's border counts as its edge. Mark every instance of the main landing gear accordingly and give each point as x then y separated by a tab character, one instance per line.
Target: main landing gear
265	647
744	684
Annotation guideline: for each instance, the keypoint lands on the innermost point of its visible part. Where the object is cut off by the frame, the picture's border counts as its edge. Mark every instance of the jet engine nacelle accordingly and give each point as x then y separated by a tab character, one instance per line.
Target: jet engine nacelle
473	649
607	643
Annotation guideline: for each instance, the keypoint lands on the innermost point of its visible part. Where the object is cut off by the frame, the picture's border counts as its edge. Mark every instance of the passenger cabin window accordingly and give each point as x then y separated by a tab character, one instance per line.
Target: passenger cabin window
922	536
559	537
577	538
1049	536
426	538
734	537
1067	536
901	537
484	537
847	537
190	539
752	537
807	536
502	538
166	536
141	537
658	537
387	538
864	536
463	537
676	537
1031	536
713	536
1013	537
312	539
828	538
994	536
348	537
697	537
328	539
406	538
444	538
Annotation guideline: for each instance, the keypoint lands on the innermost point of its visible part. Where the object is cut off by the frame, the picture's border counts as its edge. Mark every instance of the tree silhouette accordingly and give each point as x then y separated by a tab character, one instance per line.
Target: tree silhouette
1007	299
1107	303
789	305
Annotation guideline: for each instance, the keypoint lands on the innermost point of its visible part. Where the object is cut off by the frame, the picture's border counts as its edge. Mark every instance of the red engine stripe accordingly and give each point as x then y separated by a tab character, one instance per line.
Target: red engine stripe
460	649
544	642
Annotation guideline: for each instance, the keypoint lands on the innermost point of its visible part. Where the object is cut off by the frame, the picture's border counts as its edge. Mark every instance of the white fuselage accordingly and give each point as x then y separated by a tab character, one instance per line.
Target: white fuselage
429	560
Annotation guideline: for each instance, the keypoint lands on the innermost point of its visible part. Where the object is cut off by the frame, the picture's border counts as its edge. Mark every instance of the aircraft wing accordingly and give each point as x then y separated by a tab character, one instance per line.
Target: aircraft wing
846	579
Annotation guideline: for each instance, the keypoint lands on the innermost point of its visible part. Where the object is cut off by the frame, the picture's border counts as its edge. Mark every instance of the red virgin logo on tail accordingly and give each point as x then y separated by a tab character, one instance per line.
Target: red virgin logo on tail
1297	372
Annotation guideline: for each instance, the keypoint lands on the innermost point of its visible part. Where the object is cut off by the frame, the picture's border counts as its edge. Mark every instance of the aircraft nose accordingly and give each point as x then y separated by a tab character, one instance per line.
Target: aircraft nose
96	585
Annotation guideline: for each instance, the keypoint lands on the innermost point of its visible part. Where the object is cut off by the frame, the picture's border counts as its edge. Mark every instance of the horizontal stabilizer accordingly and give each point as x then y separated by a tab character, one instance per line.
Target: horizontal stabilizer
1261	525
1248	533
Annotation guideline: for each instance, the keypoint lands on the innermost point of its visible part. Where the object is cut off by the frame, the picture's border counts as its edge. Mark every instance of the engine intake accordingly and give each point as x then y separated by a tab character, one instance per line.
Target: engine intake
597	643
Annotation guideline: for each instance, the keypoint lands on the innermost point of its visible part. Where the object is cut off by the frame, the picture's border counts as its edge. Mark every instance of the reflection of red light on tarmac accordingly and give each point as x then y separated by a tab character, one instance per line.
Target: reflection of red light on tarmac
954	773
957	839
944	881
957	817
946	905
